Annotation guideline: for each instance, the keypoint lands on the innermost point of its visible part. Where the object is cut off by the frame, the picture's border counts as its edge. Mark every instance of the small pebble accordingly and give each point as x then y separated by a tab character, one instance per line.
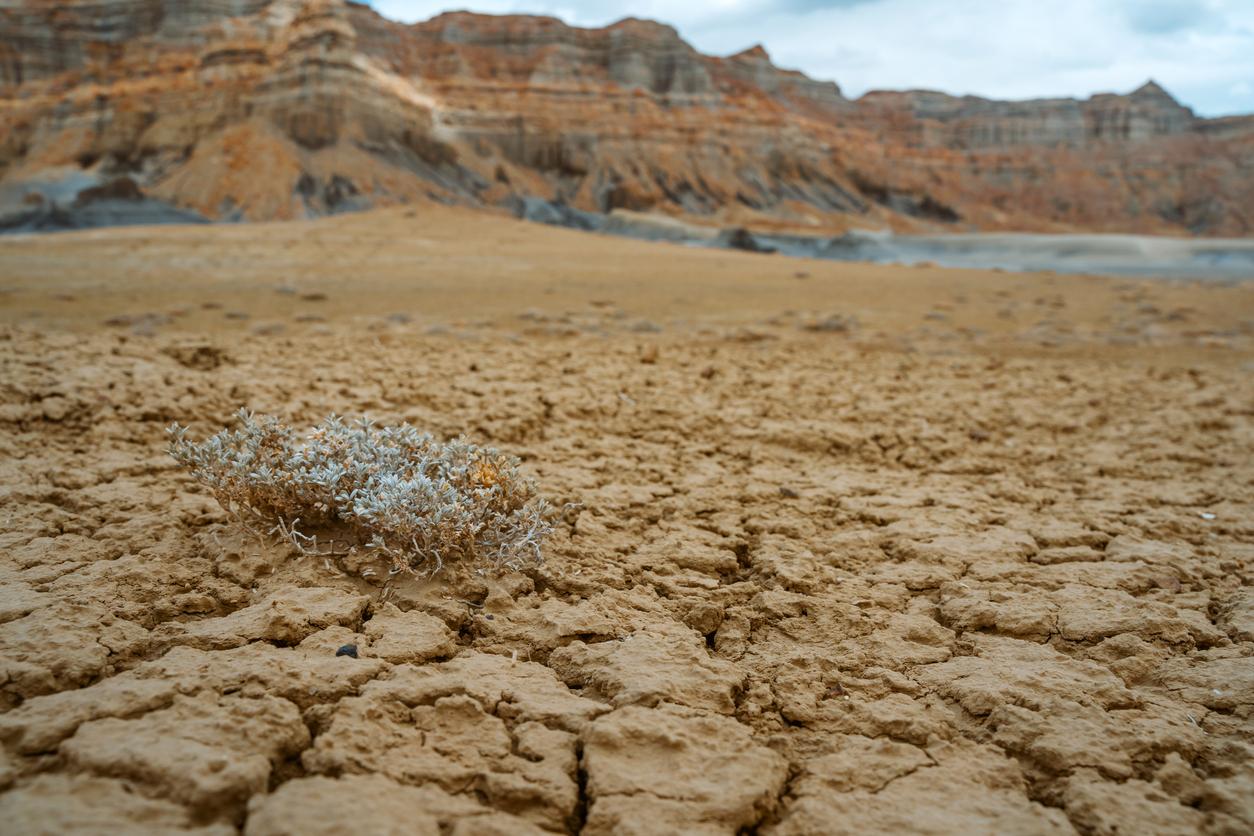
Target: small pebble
347	650
789	493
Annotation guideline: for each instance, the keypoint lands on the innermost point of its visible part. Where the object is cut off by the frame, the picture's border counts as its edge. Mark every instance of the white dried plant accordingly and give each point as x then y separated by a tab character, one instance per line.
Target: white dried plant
394	491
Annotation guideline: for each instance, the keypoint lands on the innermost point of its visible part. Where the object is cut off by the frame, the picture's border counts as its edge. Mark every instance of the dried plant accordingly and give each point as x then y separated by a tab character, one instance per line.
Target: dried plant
393	491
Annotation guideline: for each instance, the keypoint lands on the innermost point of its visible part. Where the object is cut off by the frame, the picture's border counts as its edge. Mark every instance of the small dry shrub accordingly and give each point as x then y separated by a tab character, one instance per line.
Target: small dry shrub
394	491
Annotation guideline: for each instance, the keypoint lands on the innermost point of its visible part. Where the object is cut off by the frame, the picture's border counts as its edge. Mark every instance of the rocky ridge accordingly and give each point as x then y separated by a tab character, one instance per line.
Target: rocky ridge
971	122
274	109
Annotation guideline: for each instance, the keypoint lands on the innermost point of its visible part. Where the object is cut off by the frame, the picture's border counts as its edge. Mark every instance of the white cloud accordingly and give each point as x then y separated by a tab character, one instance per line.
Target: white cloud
1200	50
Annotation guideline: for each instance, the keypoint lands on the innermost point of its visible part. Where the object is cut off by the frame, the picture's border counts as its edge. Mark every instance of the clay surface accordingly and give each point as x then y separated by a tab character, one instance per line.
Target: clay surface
978	562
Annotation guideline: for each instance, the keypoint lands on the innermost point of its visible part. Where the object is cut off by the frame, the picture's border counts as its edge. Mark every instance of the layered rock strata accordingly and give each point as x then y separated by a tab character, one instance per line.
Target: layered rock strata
274	109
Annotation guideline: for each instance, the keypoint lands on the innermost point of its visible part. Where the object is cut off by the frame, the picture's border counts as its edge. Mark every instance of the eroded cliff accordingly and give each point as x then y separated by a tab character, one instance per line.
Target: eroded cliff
262	109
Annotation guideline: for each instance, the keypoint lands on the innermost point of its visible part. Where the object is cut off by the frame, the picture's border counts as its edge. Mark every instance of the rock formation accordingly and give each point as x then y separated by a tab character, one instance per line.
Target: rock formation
971	122
273	109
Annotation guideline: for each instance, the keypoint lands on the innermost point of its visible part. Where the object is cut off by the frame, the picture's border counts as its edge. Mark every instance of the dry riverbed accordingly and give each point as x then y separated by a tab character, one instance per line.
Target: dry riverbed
855	549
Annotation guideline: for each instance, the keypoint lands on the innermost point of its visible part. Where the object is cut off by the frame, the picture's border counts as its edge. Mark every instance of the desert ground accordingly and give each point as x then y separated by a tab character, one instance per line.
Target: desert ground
850	549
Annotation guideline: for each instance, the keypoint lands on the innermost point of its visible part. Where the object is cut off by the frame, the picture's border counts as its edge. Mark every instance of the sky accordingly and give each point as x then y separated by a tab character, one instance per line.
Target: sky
1202	51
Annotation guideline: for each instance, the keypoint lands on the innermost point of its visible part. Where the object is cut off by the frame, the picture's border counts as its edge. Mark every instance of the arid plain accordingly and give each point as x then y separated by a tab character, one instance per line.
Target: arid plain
851	549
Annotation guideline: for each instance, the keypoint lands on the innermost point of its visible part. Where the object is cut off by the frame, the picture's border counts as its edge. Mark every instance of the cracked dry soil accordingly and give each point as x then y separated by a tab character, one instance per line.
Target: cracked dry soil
816	585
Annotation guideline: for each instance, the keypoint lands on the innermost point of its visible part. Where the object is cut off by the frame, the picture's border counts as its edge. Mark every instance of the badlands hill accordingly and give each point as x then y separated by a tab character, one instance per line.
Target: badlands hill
276	109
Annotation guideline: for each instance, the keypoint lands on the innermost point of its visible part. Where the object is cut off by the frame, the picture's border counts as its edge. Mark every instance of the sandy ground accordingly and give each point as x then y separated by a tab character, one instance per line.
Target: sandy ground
860	549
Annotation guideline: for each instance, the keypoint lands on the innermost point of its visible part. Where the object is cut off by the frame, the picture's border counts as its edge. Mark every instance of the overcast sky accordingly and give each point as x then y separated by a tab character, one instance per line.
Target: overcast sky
1202	51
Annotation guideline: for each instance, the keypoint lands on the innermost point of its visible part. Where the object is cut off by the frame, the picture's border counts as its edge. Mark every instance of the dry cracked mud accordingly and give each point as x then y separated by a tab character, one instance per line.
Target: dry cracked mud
814	583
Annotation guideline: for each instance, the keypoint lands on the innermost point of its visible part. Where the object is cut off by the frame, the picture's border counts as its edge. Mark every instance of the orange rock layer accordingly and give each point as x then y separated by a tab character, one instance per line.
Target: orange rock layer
270	109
